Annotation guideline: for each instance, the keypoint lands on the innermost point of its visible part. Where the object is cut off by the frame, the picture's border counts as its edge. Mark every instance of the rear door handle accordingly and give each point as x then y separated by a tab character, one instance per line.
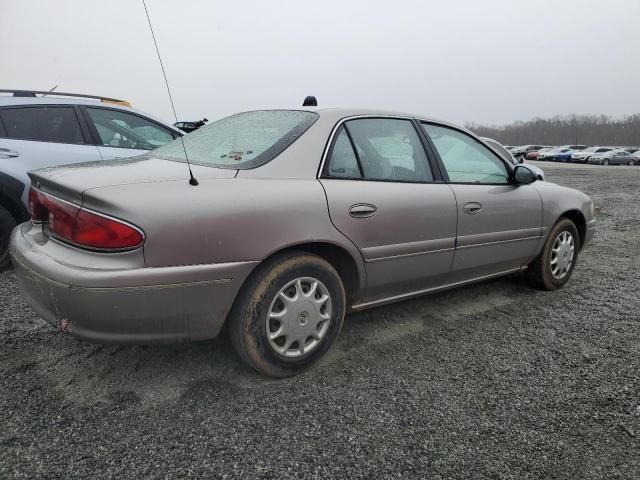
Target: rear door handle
472	208
362	210
6	153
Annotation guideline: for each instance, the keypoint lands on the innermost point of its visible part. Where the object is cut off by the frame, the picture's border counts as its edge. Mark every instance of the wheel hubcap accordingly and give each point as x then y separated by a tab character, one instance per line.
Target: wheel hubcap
562	255
299	317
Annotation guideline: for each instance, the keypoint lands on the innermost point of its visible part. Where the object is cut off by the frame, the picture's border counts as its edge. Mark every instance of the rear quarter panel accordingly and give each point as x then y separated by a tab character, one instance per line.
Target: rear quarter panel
222	220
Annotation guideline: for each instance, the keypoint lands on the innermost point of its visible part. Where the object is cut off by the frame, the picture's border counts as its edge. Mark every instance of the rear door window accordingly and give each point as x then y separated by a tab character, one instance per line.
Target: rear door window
389	149
42	124
125	130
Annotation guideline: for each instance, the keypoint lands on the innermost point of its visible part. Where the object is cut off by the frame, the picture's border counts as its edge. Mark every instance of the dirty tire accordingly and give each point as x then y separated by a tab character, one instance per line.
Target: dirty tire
539	271
7	224
247	320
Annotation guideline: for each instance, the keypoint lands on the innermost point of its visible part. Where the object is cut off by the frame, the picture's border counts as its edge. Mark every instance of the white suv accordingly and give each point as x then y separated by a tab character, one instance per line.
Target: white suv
43	129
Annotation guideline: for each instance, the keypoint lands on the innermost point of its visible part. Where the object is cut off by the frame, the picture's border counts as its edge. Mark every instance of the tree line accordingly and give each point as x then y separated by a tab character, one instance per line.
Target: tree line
565	130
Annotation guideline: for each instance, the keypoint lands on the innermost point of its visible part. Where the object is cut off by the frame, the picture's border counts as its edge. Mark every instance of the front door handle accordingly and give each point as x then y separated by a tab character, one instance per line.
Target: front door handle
362	210
471	208
6	153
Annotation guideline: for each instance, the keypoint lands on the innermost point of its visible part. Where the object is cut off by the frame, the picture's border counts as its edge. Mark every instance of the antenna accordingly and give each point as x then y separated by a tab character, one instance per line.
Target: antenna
50	91
192	179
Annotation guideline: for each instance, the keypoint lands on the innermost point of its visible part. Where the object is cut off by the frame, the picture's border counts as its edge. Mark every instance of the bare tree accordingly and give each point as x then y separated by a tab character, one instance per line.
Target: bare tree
564	130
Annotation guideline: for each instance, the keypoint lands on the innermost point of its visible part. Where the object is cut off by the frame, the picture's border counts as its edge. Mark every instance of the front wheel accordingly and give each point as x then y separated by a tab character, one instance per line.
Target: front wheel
288	314
7	224
632	162
605	162
554	266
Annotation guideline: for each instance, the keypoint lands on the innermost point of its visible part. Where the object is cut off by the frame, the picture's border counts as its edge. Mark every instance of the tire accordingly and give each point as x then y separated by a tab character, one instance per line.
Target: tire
632	162
605	162
540	272
7	224
253	315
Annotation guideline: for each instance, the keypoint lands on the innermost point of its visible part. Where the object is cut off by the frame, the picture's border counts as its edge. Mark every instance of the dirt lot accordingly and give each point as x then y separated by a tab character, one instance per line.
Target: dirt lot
490	381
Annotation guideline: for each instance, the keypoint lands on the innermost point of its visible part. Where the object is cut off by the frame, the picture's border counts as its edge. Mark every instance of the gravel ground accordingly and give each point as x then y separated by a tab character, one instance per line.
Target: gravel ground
494	380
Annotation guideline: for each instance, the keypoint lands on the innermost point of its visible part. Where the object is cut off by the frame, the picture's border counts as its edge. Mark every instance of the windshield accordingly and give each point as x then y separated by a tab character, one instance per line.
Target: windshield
241	141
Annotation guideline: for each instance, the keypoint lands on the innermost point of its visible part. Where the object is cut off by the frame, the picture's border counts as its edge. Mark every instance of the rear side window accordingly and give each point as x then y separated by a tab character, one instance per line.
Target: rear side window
124	130
241	141
43	124
385	149
465	159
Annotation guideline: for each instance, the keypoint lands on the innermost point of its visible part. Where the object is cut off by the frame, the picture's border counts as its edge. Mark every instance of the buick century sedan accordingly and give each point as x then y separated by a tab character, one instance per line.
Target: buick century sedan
291	219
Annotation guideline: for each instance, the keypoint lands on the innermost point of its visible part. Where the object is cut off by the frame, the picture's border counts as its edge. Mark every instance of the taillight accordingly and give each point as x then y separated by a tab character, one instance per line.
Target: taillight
81	227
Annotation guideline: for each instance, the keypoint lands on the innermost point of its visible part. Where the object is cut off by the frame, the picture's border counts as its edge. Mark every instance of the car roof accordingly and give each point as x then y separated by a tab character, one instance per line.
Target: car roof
338	114
9	101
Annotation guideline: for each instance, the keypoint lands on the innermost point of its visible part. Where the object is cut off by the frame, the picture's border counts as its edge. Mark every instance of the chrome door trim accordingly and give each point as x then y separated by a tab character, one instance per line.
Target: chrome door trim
405	296
497	237
410	249
404	255
498	242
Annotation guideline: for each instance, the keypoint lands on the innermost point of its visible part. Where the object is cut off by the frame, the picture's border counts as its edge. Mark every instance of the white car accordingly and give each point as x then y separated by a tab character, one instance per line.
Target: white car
584	155
45	129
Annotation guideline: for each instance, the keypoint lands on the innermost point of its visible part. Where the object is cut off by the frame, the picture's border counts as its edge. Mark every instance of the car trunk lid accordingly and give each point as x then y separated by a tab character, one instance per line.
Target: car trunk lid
70	181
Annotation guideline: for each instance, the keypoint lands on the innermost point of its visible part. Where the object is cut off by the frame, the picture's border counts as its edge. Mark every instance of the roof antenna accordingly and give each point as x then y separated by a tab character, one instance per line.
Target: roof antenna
310	101
50	91
192	179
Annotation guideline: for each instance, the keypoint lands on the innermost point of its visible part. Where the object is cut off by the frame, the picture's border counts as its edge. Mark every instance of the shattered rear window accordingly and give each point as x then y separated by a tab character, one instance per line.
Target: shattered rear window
241	141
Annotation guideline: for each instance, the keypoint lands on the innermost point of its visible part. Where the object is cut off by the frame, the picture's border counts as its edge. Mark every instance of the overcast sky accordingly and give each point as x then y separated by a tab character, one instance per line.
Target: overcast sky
489	61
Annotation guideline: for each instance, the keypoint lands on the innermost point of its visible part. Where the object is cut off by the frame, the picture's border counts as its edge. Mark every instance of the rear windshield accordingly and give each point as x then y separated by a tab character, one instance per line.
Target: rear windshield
241	141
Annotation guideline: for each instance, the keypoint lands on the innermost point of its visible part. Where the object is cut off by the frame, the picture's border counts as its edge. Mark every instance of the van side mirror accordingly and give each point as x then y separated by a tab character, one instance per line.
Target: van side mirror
523	175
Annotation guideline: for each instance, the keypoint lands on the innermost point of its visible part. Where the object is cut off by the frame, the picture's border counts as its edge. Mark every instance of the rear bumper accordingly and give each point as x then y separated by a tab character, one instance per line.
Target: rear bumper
135	305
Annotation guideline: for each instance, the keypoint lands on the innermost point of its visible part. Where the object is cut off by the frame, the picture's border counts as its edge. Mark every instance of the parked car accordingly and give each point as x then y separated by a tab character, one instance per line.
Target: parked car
536	154
584	155
61	128
500	149
521	152
282	236
613	157
562	155
546	154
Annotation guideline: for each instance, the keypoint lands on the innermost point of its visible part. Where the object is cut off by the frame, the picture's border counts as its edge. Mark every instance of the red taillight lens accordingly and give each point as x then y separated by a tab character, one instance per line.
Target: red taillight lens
36	208
104	233
71	223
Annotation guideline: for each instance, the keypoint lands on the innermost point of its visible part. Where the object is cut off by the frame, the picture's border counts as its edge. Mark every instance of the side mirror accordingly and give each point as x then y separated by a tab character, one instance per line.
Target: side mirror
524	175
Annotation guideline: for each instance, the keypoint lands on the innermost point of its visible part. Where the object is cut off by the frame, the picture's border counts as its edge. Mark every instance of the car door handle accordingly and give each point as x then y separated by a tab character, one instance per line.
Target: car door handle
6	153
362	210
472	208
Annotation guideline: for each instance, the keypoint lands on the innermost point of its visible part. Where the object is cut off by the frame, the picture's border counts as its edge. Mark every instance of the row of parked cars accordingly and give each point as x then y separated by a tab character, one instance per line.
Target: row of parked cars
599	155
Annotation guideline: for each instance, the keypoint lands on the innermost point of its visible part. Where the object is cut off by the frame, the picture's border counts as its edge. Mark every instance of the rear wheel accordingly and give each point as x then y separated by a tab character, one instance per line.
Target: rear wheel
555	264
632	162
7	224
288	314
